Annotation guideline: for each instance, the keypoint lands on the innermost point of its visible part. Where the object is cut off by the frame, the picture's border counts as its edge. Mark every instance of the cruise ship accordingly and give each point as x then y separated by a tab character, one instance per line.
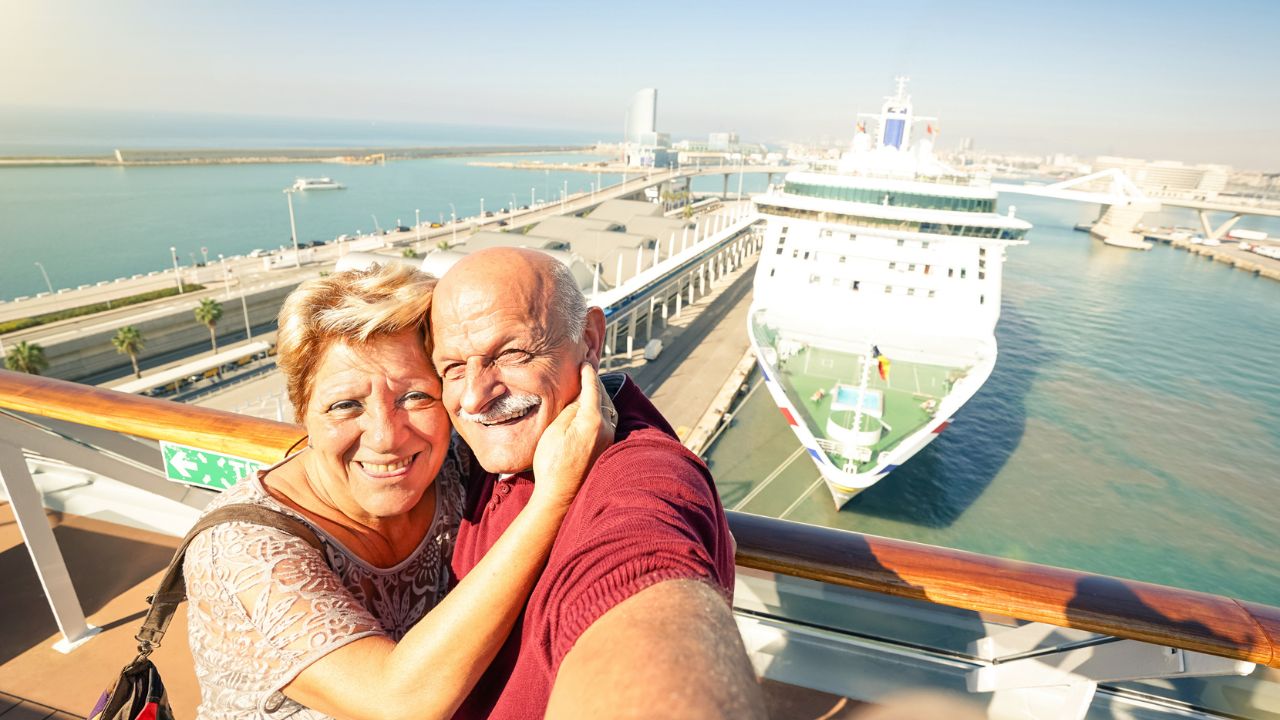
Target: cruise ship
877	295
322	183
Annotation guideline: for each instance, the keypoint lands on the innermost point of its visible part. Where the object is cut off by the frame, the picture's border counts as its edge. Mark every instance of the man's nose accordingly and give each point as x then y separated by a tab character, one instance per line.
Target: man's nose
482	386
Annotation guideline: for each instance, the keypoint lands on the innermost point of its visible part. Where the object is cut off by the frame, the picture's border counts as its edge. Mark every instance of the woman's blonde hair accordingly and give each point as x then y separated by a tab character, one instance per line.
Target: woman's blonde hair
351	306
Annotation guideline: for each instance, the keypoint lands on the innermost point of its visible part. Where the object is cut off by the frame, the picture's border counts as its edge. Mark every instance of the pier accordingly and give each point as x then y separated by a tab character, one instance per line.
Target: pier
1228	253
247	156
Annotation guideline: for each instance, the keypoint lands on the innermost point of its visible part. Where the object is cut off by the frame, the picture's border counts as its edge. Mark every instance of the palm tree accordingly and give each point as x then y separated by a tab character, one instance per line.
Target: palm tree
208	313
129	341
26	357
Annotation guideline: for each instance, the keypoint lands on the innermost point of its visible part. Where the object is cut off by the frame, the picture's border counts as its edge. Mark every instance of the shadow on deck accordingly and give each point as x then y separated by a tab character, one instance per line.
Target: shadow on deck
113	568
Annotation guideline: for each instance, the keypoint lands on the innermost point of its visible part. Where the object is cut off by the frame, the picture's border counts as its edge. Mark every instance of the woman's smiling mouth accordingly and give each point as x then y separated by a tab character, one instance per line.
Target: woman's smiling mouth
399	467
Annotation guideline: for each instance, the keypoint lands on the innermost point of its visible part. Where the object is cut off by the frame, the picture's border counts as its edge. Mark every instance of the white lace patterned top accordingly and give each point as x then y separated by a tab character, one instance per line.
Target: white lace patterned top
263	605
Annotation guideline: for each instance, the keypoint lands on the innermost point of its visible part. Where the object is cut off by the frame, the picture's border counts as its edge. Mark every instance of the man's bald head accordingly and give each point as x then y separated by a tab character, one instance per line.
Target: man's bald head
511	330
545	284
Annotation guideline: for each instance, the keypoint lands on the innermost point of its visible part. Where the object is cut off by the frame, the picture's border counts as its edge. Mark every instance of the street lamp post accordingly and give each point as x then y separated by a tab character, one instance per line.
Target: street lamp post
226	281
244	306
293	230
46	276
533	198
417	222
453	222
174	252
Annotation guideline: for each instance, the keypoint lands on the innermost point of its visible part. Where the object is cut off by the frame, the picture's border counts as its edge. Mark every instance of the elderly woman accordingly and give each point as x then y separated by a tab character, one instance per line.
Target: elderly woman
278	629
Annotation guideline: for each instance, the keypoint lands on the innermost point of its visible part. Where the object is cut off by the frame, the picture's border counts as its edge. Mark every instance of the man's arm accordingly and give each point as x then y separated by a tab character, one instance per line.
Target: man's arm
671	650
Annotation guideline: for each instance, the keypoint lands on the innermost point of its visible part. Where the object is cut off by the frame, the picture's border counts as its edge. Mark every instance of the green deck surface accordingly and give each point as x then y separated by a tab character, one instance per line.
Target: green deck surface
910	385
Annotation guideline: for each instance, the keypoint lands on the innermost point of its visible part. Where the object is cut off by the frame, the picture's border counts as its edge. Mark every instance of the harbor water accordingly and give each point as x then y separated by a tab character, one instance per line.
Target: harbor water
89	224
1131	426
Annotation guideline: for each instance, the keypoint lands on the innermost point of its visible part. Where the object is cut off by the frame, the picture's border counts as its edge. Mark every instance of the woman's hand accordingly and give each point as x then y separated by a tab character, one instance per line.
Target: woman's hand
573	441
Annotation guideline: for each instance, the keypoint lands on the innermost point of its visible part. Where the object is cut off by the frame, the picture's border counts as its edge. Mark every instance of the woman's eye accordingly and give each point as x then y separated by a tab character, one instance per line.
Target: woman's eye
417	398
344	406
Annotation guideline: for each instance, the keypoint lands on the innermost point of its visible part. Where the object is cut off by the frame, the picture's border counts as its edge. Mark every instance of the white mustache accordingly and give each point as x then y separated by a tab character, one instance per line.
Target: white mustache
504	408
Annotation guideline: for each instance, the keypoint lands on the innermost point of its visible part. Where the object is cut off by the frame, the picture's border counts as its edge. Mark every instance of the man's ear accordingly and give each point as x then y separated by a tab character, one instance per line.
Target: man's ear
593	335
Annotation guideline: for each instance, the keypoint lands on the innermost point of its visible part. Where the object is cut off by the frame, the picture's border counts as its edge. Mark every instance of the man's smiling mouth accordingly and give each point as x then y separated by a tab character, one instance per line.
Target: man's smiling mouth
508	418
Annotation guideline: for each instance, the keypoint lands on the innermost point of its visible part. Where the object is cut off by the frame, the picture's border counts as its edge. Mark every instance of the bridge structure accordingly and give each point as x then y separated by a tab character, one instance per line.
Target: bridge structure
1124	204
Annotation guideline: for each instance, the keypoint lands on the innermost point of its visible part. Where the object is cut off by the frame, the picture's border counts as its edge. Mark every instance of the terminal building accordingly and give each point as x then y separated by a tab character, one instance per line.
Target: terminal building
604	249
1164	176
722	148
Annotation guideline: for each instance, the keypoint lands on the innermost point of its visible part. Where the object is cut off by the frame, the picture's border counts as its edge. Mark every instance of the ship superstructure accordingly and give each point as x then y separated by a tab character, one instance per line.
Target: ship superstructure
876	297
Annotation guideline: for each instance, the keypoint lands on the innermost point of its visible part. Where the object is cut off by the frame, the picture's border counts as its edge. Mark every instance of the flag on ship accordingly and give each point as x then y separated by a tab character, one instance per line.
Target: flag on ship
882	362
862	127
931	130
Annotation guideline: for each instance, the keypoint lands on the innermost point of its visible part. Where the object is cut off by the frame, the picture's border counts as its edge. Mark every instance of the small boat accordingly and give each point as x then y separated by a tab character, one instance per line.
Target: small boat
321	183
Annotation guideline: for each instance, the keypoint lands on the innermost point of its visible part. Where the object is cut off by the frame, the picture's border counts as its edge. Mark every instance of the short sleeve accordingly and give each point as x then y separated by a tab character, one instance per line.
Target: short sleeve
654	518
265	604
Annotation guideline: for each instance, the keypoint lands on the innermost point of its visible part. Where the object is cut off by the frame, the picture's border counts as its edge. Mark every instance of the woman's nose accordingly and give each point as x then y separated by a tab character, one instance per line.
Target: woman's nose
385	427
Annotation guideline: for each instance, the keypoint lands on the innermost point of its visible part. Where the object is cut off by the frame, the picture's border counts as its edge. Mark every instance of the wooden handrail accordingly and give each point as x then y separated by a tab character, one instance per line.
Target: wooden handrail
216	430
1131	609
1027	591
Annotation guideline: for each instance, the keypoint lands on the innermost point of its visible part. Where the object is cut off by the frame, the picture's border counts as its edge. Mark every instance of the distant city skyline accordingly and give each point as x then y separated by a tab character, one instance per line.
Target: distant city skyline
1162	81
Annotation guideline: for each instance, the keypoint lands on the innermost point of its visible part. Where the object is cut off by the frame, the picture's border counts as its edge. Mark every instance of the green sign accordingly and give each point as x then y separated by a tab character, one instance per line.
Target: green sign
203	468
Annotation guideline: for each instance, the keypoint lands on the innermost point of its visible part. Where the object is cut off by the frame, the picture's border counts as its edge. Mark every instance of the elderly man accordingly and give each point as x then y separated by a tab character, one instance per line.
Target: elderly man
631	616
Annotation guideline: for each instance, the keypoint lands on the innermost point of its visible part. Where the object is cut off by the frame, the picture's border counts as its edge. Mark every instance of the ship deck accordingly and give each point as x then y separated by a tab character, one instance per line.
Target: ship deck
910	386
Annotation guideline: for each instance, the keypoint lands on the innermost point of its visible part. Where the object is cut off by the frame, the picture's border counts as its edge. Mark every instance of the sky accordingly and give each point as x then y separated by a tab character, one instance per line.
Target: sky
1189	81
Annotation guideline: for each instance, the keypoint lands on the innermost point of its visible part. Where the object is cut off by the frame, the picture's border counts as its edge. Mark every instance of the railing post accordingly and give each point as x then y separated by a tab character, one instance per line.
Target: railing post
28	509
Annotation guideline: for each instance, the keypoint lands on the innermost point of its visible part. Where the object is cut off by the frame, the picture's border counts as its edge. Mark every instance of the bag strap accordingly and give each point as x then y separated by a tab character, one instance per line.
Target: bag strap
173	589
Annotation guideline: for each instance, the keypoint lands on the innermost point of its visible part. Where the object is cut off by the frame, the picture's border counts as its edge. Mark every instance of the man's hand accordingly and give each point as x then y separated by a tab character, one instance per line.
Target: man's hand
669	651
570	445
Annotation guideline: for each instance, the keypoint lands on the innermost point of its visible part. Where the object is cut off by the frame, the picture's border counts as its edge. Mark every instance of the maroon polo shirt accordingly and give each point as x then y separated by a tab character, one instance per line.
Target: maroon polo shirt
647	512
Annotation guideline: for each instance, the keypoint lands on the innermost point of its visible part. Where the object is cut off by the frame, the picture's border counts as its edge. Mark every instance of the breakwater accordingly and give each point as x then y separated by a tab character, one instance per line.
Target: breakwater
232	156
